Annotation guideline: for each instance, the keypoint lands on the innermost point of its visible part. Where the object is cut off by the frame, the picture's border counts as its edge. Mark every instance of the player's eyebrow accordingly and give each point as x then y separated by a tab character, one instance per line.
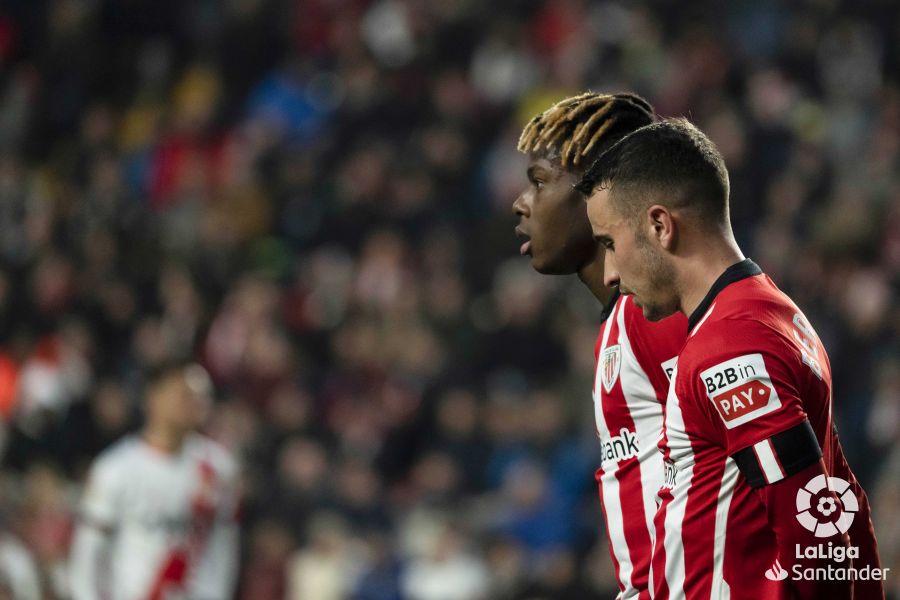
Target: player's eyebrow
540	170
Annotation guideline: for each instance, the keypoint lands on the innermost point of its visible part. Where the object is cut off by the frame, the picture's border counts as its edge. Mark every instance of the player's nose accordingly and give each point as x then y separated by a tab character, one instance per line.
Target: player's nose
520	206
610	272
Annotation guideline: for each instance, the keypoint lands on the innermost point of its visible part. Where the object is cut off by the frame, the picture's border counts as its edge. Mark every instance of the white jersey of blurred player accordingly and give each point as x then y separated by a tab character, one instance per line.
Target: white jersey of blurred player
158	519
18	574
158	526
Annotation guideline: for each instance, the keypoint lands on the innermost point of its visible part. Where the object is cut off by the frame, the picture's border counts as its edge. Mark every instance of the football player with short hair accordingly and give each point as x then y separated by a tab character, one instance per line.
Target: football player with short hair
758	499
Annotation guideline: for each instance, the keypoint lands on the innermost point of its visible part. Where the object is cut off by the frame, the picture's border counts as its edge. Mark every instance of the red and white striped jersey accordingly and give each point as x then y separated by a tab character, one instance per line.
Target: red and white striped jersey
749	406
158	526
634	358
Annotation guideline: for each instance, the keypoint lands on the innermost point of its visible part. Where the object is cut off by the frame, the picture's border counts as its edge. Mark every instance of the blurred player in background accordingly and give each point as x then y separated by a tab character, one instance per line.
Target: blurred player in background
158	518
632	354
758	496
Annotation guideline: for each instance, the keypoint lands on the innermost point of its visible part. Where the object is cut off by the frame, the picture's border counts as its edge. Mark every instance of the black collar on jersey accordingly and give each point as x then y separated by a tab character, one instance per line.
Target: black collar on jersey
742	270
607	310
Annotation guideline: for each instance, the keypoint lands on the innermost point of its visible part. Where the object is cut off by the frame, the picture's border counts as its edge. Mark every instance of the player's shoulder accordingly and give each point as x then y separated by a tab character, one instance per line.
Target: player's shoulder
749	317
723	338
121	451
117	461
209	449
756	299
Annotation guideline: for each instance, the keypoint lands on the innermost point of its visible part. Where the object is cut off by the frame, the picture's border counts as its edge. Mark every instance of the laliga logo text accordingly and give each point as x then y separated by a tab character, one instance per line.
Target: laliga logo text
818	512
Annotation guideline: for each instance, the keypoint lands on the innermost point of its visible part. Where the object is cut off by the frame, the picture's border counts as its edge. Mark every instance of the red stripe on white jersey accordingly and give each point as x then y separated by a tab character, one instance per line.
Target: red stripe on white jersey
720	588
668	556
646	415
629	424
609	483
692	570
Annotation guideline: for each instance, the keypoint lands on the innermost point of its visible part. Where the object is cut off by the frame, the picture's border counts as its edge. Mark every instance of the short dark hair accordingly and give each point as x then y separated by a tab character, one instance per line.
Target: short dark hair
576	130
162	371
671	157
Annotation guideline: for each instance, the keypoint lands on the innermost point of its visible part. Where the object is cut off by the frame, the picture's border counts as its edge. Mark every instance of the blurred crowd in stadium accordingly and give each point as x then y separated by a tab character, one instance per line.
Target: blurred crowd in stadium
312	197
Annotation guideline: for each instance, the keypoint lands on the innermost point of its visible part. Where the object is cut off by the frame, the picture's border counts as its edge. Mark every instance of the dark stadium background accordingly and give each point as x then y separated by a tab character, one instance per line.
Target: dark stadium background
313	198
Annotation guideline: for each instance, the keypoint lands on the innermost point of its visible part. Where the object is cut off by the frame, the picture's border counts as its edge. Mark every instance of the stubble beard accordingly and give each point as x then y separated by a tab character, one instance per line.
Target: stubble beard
661	300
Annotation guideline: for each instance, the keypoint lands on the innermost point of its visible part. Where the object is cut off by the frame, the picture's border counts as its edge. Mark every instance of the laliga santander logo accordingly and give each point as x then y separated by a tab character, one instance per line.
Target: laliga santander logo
824	515
819	513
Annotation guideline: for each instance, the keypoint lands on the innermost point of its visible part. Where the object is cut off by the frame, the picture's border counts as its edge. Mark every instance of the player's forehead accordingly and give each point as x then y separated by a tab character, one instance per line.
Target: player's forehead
543	163
600	209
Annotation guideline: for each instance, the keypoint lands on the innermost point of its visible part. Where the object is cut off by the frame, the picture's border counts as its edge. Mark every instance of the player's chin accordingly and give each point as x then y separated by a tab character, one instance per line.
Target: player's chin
654	313
552	270
547	265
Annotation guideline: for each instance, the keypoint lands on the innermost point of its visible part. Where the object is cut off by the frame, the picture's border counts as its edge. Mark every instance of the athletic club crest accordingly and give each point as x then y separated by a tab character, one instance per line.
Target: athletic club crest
610	361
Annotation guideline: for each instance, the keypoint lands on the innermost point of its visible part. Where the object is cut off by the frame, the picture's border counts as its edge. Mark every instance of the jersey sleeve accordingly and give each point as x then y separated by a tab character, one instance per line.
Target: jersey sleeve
89	553
749	382
218	569
100	503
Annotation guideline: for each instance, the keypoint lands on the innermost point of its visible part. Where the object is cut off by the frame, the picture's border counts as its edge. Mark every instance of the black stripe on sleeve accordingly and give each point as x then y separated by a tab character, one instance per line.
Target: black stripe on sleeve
795	449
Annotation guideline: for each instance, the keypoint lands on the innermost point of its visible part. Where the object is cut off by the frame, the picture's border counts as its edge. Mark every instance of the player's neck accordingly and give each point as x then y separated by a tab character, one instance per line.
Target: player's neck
701	270
591	275
165	440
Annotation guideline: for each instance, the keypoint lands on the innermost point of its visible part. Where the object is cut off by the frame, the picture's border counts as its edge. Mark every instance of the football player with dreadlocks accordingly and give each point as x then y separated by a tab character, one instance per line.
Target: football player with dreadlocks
634	356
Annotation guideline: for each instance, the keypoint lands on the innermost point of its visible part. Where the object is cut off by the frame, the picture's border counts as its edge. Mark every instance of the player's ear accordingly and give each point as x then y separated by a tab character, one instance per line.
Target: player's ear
662	226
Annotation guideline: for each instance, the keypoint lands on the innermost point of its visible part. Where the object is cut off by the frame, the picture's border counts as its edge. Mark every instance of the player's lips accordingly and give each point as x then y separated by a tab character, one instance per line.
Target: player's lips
525	248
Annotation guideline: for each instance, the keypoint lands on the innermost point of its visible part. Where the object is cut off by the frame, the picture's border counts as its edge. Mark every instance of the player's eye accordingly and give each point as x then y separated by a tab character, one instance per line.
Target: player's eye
538	184
605	242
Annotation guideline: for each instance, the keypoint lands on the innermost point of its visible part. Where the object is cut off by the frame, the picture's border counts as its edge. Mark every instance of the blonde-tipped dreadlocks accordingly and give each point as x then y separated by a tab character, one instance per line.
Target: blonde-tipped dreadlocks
573	128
